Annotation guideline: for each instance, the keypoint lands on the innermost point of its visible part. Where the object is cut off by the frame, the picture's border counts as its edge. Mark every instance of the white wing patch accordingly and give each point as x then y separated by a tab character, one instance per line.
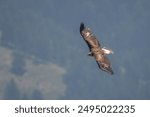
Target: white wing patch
87	34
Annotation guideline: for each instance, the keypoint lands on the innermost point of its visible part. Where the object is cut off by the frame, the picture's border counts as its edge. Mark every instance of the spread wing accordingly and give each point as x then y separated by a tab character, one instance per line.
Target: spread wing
104	64
102	61
89	38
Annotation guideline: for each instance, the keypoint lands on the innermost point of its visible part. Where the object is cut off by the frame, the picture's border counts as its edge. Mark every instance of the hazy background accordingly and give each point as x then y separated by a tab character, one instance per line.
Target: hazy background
42	55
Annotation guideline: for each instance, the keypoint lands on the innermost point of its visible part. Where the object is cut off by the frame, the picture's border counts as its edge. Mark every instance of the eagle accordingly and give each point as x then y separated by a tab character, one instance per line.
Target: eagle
95	49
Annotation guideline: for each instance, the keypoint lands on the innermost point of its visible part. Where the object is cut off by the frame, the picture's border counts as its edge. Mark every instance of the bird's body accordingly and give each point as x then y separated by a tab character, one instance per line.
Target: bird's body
95	49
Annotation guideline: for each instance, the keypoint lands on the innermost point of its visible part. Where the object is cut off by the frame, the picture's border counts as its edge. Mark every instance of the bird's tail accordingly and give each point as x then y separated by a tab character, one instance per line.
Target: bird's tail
82	27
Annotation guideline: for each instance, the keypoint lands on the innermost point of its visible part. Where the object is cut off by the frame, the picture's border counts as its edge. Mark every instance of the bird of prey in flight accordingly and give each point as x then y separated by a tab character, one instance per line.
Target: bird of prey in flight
95	49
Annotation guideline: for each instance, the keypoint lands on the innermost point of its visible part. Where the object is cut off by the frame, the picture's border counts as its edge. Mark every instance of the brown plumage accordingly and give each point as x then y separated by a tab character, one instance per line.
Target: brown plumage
96	50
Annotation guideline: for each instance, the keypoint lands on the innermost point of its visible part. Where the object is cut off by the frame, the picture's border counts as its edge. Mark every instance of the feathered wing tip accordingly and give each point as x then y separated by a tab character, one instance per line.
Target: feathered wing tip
82	27
107	69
